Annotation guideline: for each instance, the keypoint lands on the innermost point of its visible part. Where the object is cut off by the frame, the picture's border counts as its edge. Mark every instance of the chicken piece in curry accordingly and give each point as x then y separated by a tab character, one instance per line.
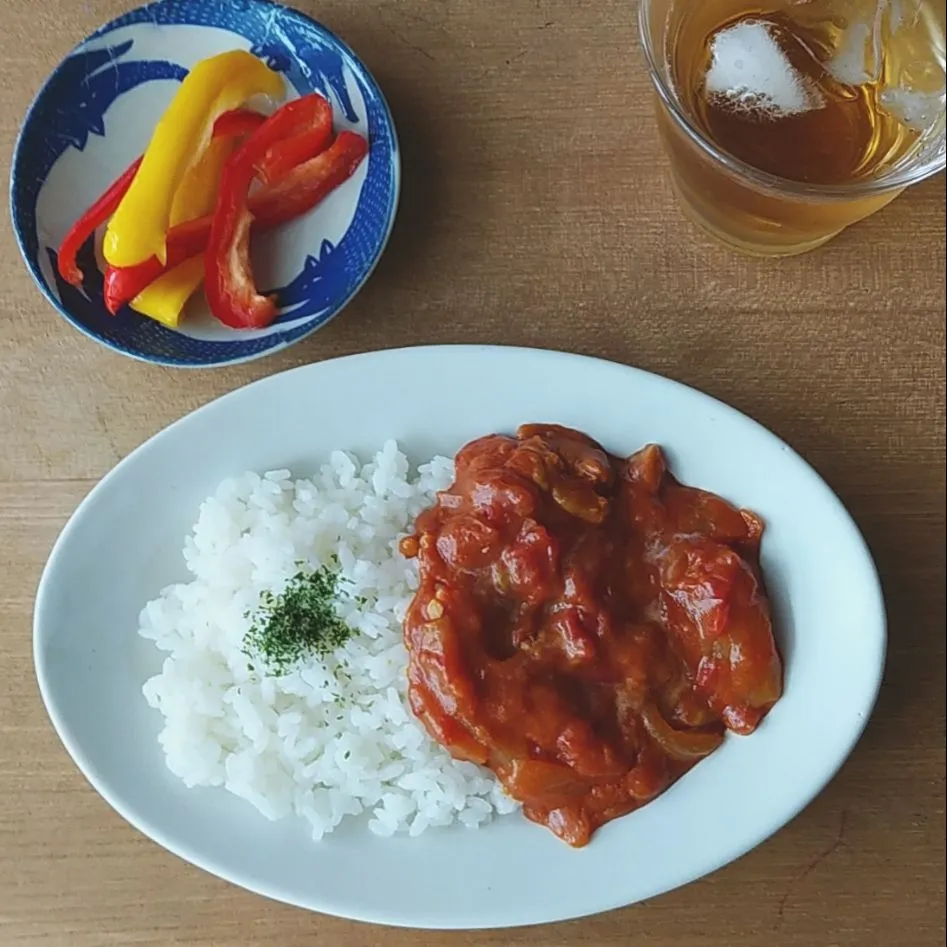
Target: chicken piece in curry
585	626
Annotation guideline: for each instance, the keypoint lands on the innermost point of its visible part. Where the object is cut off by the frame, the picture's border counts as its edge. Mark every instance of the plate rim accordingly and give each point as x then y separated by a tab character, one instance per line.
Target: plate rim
194	857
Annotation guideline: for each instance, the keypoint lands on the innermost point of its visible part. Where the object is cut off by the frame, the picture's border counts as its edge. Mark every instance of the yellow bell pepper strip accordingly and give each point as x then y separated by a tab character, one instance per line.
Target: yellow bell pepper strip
89	222
236	123
139	226
165	299
198	191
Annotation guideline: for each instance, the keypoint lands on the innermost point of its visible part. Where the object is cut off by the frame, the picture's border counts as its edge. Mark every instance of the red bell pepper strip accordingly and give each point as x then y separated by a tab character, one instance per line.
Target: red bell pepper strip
296	131
124	283
230	124
309	183
282	156
237	123
89	222
301	190
228	278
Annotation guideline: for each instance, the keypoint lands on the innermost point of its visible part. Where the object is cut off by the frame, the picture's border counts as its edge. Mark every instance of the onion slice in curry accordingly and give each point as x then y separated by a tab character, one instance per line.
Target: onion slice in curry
690	745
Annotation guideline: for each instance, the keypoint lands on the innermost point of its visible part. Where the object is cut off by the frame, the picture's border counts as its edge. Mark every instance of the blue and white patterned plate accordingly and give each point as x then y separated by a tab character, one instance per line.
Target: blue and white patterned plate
96	113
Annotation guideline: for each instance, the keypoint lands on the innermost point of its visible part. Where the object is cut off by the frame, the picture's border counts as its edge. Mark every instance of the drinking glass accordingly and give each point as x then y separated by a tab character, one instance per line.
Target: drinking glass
752	210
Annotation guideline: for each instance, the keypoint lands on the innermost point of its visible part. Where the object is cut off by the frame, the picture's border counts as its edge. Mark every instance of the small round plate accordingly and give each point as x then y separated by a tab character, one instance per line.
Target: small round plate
96	113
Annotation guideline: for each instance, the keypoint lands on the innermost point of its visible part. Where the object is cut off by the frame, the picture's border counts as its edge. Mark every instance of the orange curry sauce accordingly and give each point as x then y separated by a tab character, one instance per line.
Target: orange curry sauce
585	625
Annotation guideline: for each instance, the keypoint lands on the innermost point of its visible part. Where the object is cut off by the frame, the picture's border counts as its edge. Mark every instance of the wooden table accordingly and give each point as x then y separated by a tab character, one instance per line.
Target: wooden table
536	210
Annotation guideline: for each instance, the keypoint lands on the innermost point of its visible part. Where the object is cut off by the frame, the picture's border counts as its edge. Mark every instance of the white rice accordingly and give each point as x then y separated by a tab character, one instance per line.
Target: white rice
313	743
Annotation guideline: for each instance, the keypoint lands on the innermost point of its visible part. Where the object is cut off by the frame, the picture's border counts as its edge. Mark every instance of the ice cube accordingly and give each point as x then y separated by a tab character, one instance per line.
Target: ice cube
851	62
750	70
917	110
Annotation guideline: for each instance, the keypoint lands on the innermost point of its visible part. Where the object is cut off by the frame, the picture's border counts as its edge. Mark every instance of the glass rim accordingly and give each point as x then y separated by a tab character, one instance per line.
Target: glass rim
896	179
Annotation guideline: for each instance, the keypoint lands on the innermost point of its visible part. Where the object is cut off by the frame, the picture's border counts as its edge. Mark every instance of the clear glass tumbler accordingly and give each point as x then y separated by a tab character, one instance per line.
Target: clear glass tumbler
788	120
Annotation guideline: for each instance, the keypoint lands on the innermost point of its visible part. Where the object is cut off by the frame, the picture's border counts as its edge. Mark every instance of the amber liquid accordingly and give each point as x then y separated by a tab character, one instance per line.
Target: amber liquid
820	92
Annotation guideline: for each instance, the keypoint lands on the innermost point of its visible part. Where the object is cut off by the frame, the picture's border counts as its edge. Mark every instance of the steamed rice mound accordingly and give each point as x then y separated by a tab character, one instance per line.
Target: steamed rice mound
334	737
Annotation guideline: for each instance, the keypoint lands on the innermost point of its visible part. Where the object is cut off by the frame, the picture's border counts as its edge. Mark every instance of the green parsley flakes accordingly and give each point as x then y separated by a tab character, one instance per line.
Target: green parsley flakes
298	622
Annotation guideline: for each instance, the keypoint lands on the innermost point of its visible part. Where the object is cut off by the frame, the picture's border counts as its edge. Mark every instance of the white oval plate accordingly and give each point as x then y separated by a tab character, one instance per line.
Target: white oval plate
123	545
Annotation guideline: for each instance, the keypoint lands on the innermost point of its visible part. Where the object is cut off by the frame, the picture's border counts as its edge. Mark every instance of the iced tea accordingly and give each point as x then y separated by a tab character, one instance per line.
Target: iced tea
788	120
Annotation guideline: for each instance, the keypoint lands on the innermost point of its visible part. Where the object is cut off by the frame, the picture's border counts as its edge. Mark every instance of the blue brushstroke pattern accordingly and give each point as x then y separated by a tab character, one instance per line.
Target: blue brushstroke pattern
72	107
276	57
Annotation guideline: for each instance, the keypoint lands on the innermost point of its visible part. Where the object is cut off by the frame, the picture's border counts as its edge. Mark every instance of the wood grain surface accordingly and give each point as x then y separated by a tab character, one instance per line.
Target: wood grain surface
536	210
